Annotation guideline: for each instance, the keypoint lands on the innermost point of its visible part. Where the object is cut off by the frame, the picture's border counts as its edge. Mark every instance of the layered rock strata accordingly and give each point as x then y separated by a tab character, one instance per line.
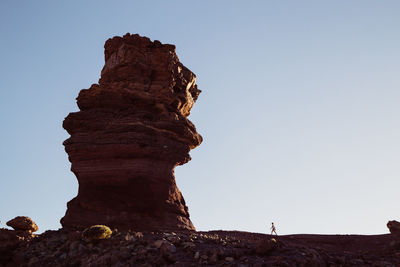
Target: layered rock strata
129	135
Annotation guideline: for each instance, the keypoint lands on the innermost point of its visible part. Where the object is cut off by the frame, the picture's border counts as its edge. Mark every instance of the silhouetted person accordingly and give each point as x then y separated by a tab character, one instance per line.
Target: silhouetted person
273	229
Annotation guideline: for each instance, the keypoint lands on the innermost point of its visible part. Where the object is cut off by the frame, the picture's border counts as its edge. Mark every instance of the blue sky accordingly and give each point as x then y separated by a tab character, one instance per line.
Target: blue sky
299	110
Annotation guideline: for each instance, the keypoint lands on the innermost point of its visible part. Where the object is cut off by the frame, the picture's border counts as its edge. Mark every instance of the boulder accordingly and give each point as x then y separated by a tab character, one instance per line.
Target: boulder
23	223
265	246
97	232
394	227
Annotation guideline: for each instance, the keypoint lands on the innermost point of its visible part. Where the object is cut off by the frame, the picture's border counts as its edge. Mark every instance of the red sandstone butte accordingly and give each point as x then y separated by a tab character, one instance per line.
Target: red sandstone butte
129	135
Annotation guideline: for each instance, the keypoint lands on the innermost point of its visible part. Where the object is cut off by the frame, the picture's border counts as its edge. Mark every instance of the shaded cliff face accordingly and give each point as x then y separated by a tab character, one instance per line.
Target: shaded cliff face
129	135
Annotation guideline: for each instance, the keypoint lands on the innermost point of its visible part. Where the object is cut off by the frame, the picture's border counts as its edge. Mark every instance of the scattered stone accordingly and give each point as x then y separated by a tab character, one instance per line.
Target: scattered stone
96	232
129	238
158	243
264	246
229	259
174	239
167	248
23	223
189	245
204	257
394	227
139	235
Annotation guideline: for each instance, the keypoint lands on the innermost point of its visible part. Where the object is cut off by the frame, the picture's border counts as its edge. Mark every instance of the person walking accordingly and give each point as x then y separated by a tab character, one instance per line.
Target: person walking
273	229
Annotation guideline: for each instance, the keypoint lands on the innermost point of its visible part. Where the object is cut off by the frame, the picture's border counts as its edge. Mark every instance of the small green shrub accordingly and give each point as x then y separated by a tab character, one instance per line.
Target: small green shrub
96	232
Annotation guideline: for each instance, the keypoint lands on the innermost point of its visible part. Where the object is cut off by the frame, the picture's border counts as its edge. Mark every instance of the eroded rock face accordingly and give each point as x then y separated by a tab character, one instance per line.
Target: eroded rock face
129	135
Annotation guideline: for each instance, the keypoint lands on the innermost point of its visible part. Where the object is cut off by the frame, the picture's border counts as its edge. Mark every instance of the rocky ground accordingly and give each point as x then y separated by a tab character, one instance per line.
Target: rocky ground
214	248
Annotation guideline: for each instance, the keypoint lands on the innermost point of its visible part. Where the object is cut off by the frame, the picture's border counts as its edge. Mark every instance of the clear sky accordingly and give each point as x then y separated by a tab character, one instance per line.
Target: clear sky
299	110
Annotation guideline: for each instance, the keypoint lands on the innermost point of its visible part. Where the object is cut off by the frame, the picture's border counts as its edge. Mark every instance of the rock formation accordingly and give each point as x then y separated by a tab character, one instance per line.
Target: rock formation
394	227
23	223
11	239
129	135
